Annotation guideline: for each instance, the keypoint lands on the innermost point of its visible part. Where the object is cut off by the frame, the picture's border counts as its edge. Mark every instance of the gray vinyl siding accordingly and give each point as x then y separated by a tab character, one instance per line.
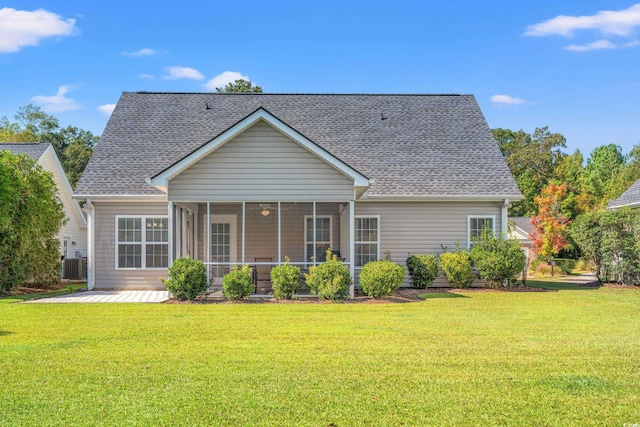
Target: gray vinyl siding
422	227
262	232
261	164
106	275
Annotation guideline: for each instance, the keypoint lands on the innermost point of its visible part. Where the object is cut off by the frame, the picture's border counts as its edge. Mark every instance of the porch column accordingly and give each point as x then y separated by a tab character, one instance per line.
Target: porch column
91	281
170	230
244	214
280	236
183	233
208	251
196	215
352	248
314	234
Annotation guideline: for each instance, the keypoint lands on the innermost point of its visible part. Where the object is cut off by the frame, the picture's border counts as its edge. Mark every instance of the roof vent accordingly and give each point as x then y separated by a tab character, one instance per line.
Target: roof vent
207	107
382	117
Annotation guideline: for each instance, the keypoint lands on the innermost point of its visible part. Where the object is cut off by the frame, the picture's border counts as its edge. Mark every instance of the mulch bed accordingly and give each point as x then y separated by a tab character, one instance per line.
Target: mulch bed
24	290
403	295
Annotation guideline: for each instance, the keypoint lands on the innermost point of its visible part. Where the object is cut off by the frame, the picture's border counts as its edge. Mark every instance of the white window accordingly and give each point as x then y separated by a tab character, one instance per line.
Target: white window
142	242
477	224
367	239
324	233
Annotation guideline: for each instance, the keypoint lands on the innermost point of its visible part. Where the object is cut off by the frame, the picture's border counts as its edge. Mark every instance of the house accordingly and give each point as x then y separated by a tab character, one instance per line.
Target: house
73	234
630	198
253	178
519	228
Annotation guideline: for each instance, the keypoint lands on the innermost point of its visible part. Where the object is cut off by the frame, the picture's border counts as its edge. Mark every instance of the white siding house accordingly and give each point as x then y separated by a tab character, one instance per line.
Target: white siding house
253	179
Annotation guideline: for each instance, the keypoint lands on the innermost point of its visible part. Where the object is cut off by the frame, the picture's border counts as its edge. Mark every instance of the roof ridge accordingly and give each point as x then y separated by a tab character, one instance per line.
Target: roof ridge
23	143
145	92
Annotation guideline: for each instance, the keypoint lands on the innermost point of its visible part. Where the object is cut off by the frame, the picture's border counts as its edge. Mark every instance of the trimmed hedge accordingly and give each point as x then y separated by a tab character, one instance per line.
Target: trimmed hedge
238	283
499	262
329	280
187	279
285	280
381	278
423	270
456	266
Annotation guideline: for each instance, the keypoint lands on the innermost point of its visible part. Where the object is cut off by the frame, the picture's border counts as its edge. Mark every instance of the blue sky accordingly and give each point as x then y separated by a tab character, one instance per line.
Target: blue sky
572	65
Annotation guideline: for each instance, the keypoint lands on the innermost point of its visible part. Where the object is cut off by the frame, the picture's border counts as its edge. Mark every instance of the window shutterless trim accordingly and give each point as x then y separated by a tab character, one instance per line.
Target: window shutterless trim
306	242
377	242
470	217
143	242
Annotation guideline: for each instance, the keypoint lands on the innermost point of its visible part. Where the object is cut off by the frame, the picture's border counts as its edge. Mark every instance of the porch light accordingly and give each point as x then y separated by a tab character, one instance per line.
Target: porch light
265	212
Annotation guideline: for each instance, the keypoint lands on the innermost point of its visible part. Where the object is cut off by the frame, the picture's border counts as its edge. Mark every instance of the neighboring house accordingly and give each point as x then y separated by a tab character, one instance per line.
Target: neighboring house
519	228
630	198
72	235
253	178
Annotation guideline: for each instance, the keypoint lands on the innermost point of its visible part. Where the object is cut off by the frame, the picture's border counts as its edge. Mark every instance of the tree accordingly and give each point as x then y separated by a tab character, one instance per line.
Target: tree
73	146
548	234
601	175
570	170
532	160
30	218
239	86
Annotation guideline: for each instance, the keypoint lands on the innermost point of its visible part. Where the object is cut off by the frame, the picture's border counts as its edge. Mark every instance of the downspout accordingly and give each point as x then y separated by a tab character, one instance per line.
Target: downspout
505	219
90	245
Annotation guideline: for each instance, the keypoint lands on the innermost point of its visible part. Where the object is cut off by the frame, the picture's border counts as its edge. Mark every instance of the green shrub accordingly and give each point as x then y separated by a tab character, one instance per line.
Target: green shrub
457	268
285	280
238	283
31	215
329	280
609	241
423	270
499	262
187	279
381	278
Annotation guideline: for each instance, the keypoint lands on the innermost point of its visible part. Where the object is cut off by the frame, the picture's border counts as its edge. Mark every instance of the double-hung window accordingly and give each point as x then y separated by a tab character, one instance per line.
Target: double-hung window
324	230
367	239
142	242
477	226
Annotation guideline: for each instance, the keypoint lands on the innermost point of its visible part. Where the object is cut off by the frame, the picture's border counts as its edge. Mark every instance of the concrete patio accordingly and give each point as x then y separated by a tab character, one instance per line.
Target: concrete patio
106	296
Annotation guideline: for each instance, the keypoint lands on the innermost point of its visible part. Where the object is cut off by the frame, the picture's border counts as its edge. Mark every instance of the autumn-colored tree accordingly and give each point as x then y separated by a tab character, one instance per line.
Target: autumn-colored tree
549	226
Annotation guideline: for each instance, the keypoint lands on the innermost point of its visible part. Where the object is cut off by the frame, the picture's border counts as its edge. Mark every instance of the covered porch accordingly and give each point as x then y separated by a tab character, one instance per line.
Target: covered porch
224	234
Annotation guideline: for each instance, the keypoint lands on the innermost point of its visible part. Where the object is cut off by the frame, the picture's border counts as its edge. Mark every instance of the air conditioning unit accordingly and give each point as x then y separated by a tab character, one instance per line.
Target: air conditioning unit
75	269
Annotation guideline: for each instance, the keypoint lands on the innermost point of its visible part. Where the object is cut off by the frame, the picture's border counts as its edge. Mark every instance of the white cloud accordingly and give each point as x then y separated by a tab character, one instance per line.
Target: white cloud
142	52
57	103
20	28
107	109
145	76
221	80
596	45
607	22
178	72
600	44
506	99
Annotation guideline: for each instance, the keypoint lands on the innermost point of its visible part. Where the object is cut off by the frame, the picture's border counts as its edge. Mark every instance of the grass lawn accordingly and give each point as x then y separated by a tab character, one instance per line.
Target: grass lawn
568	357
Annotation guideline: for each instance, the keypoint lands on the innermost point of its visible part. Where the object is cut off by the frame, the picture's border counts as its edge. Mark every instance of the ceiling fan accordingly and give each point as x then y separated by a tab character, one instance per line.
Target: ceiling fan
266	208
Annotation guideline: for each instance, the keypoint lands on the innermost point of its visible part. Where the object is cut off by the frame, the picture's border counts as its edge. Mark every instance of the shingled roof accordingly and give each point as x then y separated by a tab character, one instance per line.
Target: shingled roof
411	145
522	222
631	197
31	149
